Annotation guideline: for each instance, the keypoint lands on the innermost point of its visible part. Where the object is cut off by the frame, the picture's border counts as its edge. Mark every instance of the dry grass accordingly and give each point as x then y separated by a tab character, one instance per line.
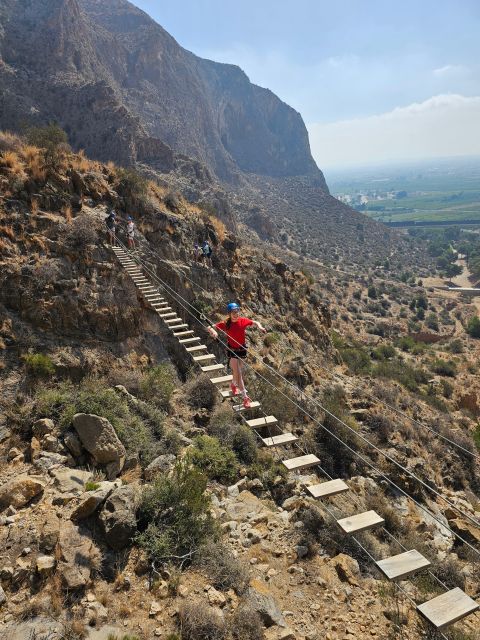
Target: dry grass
79	162
219	227
34	206
67	213
8	232
12	161
9	141
37	241
5	246
36	168
56	598
29	152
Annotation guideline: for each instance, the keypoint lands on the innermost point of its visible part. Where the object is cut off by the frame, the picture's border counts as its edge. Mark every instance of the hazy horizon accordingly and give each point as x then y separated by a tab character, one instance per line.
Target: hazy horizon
374	81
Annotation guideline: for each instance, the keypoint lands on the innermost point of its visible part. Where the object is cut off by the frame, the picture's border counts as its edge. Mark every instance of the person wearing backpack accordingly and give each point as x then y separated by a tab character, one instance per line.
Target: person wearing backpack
207	253
234	327
111	224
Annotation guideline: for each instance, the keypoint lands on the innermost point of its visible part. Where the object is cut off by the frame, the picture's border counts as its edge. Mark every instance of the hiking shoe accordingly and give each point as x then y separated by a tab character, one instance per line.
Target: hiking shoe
247	403
234	389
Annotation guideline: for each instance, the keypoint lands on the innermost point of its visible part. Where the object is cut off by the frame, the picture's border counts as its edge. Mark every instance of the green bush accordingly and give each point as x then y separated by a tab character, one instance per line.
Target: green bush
456	346
356	359
444	368
244	445
158	384
131	183
201	393
404	373
39	365
271	338
174	515
237	437
473	327
215	460
372	292
384	352
91	485
140	429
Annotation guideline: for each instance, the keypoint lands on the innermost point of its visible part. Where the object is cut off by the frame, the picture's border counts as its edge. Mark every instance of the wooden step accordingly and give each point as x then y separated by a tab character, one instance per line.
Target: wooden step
276	441
149	291
402	565
448	608
198	347
178	326
184	333
261	422
169	314
221	379
189	340
204	358
228	394
302	462
238	408
151	296
172	320
360	522
212	367
326	489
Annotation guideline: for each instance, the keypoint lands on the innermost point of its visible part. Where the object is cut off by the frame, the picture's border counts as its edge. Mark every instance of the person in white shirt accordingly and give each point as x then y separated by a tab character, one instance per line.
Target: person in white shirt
130	233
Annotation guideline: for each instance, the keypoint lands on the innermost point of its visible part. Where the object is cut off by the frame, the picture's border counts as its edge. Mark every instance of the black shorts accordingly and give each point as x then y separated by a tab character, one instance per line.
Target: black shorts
240	352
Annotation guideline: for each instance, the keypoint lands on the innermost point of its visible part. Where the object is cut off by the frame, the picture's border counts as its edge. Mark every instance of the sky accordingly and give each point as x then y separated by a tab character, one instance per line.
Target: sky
375	80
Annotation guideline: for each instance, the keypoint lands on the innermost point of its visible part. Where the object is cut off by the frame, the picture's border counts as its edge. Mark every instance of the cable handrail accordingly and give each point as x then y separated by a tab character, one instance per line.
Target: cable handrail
368	463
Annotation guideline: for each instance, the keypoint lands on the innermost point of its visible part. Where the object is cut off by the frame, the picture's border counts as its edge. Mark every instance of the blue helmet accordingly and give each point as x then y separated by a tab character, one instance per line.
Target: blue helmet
232	306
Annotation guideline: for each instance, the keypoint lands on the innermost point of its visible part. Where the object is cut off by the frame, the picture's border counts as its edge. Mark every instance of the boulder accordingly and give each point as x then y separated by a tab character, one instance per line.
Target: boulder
46	461
118	517
466	530
42	427
78	554
100	440
49	533
20	490
68	480
45	565
91	500
162	464
262	601
347	568
73	444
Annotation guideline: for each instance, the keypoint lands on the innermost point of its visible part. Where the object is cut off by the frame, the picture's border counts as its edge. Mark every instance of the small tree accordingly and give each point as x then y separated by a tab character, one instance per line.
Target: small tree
473	327
52	139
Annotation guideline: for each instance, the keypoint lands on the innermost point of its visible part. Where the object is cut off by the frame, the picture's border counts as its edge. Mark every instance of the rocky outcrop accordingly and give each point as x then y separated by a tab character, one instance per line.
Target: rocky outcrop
262	601
78	555
118	518
101	441
20	490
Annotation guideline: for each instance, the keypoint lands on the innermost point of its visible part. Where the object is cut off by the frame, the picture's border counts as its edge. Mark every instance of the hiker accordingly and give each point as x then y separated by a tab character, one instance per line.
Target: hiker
234	326
111	223
130	233
207	253
197	252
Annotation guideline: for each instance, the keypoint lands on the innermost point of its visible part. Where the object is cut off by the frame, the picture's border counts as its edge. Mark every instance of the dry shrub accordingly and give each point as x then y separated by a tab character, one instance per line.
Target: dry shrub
80	162
9	141
67	213
34	206
29	152
36	167
246	624
201	393
222	568
8	232
219	227
11	160
198	621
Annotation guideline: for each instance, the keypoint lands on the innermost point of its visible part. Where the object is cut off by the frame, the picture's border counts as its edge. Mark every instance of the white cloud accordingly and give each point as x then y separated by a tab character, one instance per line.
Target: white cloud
450	71
443	125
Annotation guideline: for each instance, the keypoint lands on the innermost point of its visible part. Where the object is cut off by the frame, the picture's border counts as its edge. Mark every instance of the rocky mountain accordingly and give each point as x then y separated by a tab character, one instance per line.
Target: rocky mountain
124	90
119	84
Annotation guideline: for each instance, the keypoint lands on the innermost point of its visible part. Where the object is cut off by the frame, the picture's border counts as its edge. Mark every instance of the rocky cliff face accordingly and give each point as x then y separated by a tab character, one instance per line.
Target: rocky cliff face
119	83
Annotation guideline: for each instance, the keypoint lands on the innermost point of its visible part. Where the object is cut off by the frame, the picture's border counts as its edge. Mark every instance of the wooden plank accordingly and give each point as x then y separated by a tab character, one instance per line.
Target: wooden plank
198	347
448	608
228	394
188	340
302	462
204	358
178	326
402	565
212	367
275	441
221	379
360	522
172	320
262	422
238	408
326	489
183	333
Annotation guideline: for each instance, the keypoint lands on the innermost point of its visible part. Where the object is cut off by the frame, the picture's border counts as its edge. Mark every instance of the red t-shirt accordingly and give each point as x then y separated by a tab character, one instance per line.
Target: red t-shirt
236	332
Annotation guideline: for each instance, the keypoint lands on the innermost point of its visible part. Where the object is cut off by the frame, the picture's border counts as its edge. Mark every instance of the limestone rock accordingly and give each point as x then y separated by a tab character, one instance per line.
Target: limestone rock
347	568
42	427
20	490
3	597
73	444
91	500
468	531
262	601
45	565
78	554
99	439
49	533
162	464
118	517
68	480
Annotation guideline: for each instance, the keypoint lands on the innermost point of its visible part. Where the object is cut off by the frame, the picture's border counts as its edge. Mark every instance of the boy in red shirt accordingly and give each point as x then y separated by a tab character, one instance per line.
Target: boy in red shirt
234	327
